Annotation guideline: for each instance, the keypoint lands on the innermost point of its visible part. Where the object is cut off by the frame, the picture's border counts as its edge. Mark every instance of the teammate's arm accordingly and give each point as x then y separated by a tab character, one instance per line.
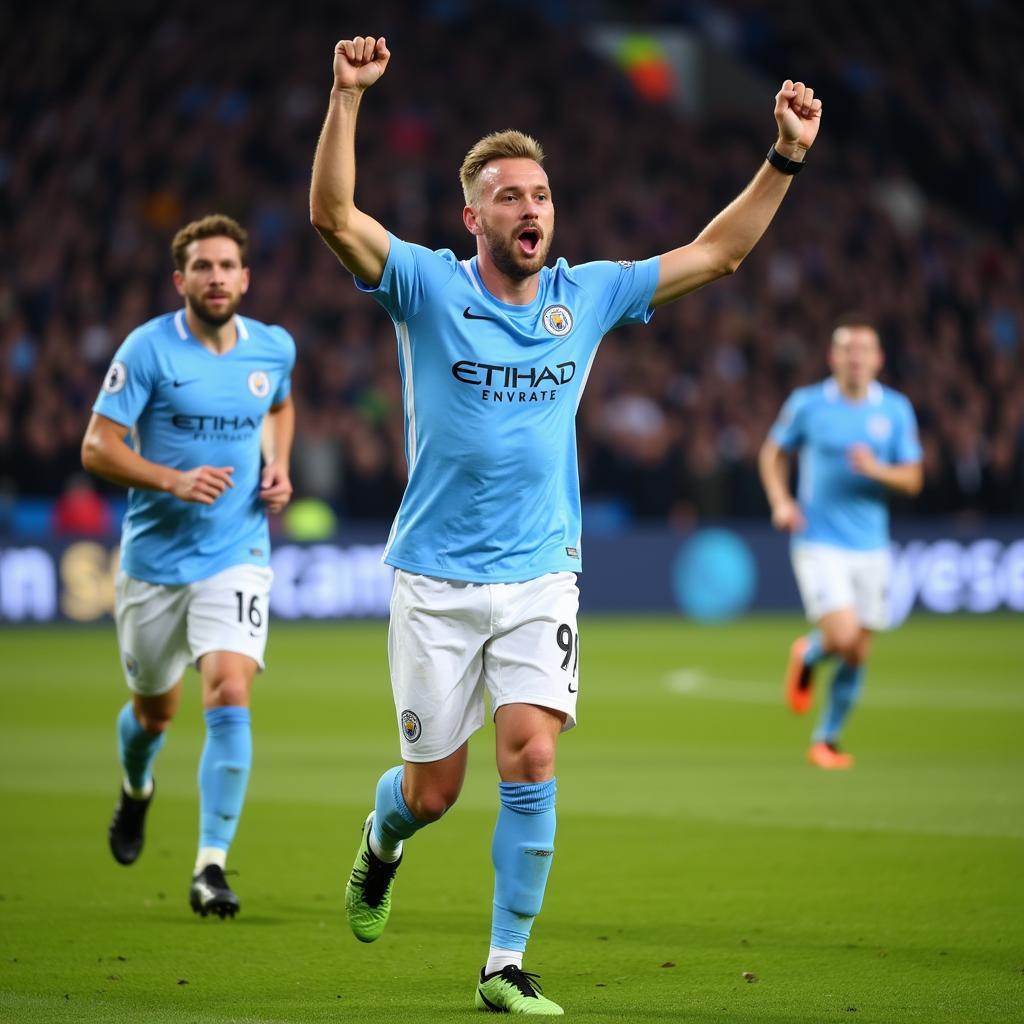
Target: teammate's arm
906	478
721	247
360	242
773	464
276	445
105	454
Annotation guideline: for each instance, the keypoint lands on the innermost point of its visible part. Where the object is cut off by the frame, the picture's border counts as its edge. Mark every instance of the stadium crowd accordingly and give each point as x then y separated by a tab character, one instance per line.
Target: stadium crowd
121	124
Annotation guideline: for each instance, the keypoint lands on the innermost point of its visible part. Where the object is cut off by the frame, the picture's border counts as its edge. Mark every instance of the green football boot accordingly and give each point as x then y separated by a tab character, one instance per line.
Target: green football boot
368	892
512	990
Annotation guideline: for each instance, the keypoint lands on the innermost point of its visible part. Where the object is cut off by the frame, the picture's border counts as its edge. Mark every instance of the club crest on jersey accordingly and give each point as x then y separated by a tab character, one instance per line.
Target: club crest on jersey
116	378
557	321
879	428
259	383
411	727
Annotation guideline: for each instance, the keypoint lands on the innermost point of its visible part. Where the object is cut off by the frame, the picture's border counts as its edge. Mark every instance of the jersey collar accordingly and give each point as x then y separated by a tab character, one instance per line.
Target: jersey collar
469	270
183	333
833	394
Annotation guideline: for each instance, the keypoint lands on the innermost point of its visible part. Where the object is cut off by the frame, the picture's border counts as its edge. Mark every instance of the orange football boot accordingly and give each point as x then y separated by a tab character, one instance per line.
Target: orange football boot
825	755
799	678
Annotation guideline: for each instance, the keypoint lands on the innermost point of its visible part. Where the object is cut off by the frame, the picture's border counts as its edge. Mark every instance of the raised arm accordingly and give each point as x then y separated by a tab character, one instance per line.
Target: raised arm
360	242
105	454
721	247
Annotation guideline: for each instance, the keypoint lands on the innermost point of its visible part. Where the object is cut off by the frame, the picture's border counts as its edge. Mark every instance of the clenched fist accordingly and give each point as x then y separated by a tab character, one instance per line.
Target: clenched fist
204	484
798	114
359	62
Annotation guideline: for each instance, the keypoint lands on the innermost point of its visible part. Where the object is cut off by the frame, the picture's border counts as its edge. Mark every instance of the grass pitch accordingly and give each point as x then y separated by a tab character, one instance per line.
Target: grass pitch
703	872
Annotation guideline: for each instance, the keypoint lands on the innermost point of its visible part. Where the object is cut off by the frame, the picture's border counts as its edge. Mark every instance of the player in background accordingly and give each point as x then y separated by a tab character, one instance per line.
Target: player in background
494	353
205	394
857	440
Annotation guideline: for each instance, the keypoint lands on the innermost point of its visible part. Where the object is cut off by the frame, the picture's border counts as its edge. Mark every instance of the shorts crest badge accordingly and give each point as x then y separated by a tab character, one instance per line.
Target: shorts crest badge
411	728
557	321
259	383
131	666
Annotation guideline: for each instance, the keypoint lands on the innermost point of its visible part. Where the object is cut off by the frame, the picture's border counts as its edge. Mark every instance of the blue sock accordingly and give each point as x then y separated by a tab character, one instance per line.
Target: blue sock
846	683
137	747
223	774
392	819
524	841
815	651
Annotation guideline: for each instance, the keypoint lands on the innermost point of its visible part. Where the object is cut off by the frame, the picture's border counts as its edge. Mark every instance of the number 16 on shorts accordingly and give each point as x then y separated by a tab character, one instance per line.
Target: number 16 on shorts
249	611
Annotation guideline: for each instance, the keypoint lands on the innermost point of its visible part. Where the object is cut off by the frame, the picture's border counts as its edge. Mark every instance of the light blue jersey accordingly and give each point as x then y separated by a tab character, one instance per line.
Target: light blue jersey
188	407
843	507
491	392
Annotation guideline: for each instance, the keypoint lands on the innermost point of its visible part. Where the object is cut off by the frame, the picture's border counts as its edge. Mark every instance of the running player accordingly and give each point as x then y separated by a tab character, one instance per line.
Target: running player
494	353
857	440
205	394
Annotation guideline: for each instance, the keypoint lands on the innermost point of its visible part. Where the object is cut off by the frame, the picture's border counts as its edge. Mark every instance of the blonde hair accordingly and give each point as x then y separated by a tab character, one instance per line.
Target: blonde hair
496	146
216	225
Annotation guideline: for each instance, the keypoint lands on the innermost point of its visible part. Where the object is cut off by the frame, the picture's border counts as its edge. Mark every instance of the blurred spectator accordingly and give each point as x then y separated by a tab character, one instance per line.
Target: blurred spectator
80	511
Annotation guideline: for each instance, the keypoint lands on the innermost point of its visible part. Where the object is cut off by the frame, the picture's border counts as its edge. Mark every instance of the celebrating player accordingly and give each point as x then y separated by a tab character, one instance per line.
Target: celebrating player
494	353
204	392
857	441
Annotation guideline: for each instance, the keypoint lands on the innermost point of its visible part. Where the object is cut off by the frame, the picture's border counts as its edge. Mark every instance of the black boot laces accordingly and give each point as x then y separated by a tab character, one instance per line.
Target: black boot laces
528	984
376	877
215	876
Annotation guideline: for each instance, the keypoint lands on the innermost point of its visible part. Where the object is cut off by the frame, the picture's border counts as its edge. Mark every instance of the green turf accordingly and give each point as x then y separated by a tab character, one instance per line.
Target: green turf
694	844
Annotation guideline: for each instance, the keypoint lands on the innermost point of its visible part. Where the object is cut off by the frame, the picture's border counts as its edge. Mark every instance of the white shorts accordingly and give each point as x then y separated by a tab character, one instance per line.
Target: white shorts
448	641
831	578
163	628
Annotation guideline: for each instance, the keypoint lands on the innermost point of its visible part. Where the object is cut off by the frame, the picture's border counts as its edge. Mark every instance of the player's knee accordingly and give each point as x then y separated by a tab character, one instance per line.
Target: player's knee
844	642
154	722
228	691
431	804
534	761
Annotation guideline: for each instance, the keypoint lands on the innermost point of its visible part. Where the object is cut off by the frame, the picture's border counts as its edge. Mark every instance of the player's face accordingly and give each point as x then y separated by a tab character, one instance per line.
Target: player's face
214	280
515	216
856	357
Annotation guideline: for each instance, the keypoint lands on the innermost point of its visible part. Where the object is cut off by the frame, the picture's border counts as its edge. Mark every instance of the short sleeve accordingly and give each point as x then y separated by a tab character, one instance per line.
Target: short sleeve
284	385
788	429
906	443
128	385
621	292
410	273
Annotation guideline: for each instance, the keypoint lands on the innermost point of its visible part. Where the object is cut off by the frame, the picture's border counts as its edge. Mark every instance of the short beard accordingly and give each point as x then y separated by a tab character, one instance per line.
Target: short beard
214	319
505	257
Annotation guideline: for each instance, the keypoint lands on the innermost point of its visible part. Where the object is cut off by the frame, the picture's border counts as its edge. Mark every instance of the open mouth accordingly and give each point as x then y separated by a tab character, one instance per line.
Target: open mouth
529	241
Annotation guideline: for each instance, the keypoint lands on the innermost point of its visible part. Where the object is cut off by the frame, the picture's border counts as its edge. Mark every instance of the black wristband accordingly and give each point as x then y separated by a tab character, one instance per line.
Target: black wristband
783	163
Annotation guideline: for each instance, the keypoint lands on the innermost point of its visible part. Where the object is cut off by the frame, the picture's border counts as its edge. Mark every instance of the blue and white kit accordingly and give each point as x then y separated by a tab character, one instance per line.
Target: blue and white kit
491	392
487	539
841	558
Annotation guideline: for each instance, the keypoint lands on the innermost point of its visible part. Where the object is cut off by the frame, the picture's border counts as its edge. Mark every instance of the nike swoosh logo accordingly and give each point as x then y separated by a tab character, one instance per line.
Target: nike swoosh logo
473	316
182	383
573	689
